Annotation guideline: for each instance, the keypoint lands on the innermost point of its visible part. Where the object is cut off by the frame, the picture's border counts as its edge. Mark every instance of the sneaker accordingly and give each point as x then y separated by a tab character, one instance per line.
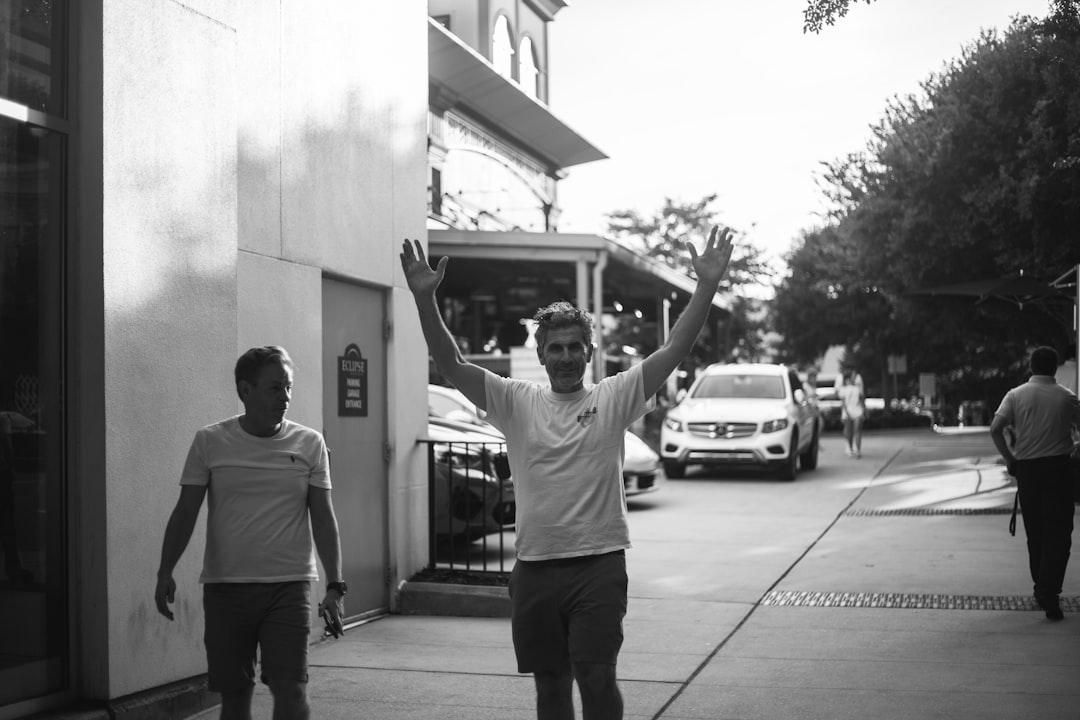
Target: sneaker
848	452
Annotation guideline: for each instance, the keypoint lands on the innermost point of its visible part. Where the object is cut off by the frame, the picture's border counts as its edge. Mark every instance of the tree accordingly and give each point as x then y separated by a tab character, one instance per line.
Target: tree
978	177
662	236
819	13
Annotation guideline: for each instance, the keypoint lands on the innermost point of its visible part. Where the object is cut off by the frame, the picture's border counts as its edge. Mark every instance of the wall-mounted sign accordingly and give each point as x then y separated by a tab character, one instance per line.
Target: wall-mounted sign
352	383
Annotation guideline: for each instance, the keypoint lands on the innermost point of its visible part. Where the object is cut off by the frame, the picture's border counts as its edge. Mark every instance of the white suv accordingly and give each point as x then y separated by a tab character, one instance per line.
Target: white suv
756	415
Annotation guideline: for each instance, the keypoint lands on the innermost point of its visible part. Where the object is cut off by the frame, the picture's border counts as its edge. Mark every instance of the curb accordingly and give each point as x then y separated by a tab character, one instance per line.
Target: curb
445	599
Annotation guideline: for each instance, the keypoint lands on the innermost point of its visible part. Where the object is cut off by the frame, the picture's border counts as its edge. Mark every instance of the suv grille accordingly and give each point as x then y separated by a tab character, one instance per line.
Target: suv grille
724	430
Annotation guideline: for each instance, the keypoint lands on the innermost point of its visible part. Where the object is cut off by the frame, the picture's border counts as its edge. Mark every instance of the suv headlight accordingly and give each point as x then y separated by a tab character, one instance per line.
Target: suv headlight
772	426
672	424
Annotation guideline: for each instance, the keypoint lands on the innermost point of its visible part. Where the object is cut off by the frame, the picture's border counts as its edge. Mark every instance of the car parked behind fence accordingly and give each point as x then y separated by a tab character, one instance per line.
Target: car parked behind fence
641	464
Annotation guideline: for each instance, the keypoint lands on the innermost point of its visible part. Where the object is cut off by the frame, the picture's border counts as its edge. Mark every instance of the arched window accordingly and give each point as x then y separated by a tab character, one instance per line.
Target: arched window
528	73
502	48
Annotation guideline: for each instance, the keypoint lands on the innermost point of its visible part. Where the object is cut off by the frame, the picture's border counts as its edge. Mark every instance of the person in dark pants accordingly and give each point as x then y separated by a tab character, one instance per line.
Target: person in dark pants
1042	415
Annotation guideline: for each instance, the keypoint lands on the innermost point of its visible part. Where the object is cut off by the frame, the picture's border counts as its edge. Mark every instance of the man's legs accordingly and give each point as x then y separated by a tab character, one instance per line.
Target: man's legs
554	695
283	641
231	638
1046	500
290	700
600	696
236	704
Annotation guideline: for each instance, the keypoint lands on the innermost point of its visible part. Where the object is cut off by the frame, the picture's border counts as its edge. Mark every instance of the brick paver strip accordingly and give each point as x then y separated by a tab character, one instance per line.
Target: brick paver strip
921	601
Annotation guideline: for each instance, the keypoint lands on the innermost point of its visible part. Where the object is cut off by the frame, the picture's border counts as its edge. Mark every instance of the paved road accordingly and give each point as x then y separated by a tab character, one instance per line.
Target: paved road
886	587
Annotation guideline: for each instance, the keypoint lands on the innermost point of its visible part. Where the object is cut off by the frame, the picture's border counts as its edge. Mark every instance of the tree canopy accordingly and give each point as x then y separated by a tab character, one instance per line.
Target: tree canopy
976	178
662	235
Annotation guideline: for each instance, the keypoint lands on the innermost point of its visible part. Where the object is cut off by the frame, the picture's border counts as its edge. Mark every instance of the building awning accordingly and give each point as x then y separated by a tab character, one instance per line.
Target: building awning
465	79
628	276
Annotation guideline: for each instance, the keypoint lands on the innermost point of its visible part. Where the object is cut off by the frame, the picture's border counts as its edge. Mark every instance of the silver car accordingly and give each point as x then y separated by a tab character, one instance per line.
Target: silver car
641	465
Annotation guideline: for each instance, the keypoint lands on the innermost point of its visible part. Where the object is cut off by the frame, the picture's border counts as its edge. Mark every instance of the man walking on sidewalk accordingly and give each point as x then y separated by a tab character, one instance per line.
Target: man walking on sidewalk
565	444
1042	415
267	484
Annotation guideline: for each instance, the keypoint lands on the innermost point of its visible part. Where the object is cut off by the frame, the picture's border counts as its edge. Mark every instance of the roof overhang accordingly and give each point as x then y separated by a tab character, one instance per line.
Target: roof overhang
661	276
628	271
461	78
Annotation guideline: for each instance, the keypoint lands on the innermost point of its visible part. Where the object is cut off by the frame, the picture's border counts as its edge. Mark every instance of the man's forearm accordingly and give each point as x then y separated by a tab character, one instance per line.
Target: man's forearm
441	345
328	545
177	535
688	326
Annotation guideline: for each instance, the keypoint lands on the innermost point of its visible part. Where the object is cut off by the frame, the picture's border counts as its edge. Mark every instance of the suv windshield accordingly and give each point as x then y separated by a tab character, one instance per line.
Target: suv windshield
741	386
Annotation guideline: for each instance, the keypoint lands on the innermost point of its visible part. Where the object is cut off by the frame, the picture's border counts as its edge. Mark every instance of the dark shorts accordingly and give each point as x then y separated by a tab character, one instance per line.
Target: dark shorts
568	611
274	618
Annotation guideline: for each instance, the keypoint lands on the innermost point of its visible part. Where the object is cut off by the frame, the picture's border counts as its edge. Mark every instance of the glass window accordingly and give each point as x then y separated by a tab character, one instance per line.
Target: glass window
32	62
502	48
528	73
34	629
741	386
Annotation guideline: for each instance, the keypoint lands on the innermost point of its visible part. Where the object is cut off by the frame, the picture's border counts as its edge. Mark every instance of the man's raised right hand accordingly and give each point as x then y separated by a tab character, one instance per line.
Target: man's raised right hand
418	274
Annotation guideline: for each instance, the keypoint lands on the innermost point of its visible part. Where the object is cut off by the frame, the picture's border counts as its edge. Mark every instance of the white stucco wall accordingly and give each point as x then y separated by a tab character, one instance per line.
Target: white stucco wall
169	273
248	148
279	304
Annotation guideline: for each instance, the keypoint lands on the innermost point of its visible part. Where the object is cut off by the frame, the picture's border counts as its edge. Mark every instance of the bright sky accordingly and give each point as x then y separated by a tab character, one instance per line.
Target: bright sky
693	97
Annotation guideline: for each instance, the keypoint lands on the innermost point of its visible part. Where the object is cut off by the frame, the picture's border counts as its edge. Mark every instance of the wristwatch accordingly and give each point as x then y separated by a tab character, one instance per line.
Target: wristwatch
340	585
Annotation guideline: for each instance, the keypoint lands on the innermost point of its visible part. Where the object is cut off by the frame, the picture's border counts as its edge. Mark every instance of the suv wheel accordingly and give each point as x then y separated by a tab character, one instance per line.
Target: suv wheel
674	470
790	468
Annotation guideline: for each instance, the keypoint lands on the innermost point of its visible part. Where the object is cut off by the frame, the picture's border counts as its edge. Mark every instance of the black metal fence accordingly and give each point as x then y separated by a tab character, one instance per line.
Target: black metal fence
471	506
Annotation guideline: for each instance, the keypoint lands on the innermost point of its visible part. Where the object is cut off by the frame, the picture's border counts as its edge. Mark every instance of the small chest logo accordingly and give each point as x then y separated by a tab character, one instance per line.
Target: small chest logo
585	419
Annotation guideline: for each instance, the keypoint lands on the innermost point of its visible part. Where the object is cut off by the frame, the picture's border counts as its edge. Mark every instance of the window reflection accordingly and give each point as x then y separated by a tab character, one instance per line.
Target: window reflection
31	53
33	615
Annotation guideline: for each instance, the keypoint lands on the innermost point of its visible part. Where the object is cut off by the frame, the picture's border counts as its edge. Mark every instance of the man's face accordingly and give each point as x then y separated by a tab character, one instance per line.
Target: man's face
565	356
267	400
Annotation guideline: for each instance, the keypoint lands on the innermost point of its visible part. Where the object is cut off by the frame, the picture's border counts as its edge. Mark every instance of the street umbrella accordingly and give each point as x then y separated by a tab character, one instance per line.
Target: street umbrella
1019	290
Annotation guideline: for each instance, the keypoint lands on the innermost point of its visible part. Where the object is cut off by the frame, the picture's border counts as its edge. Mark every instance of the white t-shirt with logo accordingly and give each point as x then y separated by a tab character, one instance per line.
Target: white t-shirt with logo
566	457
257	527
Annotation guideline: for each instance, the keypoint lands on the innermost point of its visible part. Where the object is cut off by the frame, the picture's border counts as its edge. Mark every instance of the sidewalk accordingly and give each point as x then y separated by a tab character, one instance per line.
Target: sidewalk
913	604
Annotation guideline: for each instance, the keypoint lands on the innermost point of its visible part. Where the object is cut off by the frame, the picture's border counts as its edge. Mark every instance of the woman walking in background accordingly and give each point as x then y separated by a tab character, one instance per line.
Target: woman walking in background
852	412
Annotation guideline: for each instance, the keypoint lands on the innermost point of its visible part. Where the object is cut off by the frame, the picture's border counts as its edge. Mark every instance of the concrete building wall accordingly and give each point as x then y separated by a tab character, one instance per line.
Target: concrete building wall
248	149
169	273
465	22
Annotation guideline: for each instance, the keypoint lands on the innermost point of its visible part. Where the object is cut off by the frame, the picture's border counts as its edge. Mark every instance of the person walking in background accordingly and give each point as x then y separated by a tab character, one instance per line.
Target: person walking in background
1042	415
852	412
267	484
565	444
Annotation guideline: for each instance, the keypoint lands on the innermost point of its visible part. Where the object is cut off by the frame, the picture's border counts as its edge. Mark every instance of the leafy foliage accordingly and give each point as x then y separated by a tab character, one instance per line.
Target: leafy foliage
663	236
977	178
819	13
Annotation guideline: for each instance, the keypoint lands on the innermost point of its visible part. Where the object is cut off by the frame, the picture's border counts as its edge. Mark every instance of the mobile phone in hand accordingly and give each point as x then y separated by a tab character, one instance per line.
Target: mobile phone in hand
333	627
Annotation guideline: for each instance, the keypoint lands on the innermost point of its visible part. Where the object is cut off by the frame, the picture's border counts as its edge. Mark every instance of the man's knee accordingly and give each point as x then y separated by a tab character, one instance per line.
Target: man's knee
553	683
595	677
290	696
236	704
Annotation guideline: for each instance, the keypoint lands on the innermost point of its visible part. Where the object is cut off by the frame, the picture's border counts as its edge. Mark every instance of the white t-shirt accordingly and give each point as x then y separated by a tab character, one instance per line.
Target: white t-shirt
566	455
257	527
